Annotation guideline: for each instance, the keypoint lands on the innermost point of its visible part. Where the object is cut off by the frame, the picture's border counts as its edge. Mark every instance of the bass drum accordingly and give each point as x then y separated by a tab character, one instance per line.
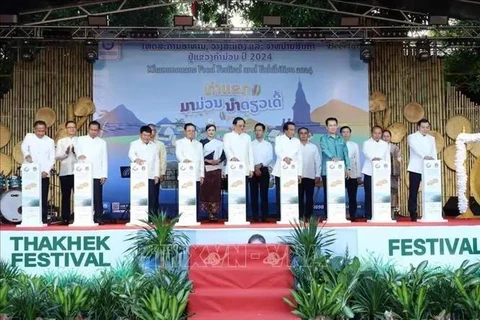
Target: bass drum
11	206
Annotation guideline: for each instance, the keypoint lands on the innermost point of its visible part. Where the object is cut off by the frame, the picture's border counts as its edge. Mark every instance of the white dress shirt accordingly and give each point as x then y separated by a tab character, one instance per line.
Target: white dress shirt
420	146
192	150
95	152
147	152
239	146
354	155
67	161
42	151
312	163
262	152
287	148
374	149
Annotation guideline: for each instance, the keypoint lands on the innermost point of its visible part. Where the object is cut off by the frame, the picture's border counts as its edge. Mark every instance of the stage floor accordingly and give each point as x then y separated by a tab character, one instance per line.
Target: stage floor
402	222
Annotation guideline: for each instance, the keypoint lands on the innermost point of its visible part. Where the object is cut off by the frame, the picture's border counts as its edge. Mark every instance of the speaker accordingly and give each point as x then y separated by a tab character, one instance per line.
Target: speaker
451	207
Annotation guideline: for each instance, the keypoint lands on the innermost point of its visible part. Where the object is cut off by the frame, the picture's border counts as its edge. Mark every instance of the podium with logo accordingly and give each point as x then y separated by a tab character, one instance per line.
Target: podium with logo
288	193
237	198
432	192
83	195
336	192
187	195
31	196
381	192
138	194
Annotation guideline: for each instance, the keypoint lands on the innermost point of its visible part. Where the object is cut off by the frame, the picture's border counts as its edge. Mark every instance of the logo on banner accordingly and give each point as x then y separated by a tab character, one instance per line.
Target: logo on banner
26	169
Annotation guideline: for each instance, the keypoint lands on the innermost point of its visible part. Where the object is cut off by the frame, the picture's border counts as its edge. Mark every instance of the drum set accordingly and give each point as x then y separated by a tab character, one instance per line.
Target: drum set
11	199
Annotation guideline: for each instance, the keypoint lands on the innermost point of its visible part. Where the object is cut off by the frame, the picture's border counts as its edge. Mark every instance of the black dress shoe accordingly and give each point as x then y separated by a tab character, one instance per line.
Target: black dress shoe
413	219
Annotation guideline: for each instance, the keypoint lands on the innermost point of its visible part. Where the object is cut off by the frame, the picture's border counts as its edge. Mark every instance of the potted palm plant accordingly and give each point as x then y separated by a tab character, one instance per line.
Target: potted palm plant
159	243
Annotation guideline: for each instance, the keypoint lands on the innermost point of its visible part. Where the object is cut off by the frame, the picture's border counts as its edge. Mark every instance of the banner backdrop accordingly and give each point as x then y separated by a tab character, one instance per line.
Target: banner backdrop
172	83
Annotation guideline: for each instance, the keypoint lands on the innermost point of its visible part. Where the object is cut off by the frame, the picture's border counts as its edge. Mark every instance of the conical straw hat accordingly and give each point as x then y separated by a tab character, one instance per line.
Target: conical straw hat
455	126
413	112
17	153
475	183
449	154
439	140
398	131
5	164
5	135
61	132
84	107
378	102
47	115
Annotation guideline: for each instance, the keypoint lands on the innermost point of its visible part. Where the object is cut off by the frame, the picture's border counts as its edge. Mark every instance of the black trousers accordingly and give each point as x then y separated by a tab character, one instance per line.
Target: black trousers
262	183
156	190
152	197
277	195
414	184
352	188
325	202
367	183
305	198
66	185
45	187
97	199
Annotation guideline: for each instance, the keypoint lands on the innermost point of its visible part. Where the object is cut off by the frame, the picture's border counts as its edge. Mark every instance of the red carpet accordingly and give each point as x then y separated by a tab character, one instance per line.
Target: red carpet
240	282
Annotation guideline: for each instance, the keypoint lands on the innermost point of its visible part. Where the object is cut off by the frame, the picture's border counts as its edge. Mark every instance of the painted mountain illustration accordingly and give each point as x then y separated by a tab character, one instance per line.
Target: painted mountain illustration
346	114
120	121
164	121
301	112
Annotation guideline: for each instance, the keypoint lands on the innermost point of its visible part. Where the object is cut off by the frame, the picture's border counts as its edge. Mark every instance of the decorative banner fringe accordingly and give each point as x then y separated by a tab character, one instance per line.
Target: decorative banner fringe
461	156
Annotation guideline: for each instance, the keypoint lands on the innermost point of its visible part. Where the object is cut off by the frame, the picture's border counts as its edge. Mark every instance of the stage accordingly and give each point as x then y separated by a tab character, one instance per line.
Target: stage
90	249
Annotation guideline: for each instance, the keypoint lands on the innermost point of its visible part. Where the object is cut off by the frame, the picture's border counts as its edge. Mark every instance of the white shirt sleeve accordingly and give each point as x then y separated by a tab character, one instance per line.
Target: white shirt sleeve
251	165
299	160
104	160
201	161
132	153
51	156
227	147
318	163
26	146
156	164
61	152
357	160
414	146
179	151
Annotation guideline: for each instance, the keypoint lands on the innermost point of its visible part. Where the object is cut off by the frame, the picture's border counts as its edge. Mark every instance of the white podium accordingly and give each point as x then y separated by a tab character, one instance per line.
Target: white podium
381	192
432	192
83	195
31	196
237	199
288	193
336	192
187	195
138	194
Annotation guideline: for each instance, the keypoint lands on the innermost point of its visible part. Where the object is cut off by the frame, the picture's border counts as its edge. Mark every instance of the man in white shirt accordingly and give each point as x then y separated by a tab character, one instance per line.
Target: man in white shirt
374	149
66	155
93	149
422	147
162	159
355	178
262	158
311	173
238	147
287	148
189	150
39	148
144	150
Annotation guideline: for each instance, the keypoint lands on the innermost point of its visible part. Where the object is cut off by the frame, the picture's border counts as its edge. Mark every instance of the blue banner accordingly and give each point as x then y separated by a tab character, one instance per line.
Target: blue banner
171	83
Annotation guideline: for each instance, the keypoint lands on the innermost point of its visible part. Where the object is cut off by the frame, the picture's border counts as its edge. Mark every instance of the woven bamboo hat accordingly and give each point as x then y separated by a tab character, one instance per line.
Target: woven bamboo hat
5	135
46	114
17	153
84	107
475	183
413	112
475	150
61	132
5	164
439	140
455	126
398	131
378	102
449	156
